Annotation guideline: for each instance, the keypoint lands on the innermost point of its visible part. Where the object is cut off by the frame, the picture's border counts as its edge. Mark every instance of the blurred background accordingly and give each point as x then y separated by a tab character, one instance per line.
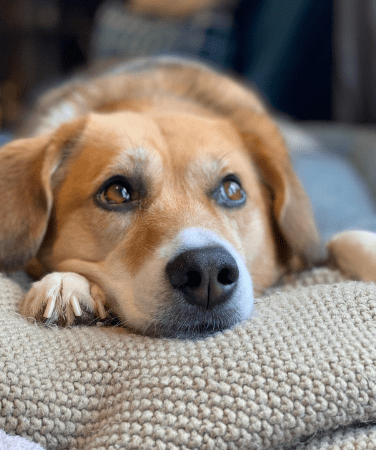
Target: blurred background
314	61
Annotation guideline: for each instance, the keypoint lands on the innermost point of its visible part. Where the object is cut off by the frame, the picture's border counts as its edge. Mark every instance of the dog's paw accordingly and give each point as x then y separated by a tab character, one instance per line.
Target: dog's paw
63	297
354	252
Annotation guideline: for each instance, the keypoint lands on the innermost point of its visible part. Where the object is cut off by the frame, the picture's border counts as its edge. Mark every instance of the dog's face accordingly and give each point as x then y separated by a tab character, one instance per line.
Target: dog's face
166	213
178	216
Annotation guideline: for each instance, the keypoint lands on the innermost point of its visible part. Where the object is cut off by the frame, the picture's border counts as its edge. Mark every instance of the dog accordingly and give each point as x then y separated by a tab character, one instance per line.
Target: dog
160	191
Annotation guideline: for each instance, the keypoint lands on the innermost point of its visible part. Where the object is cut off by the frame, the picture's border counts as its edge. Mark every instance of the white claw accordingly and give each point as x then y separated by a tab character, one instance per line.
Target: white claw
76	306
99	300
50	307
101	310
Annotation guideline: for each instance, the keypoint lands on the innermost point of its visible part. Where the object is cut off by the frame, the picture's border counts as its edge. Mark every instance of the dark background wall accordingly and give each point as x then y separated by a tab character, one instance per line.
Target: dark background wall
284	48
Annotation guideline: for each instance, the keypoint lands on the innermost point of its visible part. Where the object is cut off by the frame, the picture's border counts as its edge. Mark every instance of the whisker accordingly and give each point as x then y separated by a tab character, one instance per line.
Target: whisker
152	246
151	322
148	249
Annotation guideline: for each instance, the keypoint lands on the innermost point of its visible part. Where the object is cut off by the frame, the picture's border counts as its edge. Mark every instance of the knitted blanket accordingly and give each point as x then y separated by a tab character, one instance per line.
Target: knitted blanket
300	374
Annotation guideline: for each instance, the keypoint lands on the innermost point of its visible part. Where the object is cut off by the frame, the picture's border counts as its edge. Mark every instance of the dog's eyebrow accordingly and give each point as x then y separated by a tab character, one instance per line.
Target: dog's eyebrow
211	167
135	163
132	156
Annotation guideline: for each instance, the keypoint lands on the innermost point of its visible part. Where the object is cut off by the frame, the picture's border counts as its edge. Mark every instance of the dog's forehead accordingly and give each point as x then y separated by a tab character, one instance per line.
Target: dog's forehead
174	140
190	136
122	131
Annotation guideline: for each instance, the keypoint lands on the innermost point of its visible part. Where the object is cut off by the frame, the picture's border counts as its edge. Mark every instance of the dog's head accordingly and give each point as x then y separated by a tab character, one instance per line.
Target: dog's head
176	213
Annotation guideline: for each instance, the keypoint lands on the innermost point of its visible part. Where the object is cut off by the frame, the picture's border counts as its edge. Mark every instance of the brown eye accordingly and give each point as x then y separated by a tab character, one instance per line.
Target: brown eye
229	193
233	190
116	194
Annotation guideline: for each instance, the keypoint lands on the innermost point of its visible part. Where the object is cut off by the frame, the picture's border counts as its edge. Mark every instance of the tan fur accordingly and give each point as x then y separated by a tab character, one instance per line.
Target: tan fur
183	127
354	252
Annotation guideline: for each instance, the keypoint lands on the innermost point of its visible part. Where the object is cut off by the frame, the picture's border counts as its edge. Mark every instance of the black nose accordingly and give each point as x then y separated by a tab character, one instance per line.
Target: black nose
206	276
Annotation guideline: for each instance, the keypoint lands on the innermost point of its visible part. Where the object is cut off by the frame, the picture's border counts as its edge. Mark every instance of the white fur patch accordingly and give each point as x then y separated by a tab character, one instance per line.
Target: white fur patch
63	112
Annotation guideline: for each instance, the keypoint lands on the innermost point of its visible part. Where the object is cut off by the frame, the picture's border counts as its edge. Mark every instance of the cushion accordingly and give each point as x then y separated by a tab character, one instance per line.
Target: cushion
300	373
341	195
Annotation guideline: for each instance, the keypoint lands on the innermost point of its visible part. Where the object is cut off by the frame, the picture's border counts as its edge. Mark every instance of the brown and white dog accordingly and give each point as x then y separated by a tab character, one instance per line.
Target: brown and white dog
161	191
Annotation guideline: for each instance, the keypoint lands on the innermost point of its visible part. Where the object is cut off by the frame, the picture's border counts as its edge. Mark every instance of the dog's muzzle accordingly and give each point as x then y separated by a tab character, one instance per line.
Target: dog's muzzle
207	277
204	286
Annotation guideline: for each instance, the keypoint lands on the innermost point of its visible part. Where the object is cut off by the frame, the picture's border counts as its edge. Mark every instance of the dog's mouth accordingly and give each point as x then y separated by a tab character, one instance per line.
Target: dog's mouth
178	330
183	321
192	326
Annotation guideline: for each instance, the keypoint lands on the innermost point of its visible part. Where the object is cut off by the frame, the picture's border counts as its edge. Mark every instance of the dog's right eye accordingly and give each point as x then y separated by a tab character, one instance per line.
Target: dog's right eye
114	194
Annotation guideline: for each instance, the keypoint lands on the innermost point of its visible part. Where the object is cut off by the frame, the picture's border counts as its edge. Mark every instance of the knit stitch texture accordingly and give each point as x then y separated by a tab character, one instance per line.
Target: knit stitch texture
300	374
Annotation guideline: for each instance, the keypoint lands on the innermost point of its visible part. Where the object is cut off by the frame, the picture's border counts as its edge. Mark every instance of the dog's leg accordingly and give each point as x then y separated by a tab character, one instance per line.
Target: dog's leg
62	297
354	252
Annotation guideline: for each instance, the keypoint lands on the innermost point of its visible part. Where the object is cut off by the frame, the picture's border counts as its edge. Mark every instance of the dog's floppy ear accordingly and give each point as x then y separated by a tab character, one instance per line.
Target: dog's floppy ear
26	169
291	207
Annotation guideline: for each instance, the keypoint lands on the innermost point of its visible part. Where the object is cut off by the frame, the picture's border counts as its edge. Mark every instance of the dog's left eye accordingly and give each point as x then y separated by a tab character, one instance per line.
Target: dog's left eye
233	190
230	193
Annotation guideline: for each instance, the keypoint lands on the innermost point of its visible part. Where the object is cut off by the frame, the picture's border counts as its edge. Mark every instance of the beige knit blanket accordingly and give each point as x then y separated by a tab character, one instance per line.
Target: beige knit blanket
300	374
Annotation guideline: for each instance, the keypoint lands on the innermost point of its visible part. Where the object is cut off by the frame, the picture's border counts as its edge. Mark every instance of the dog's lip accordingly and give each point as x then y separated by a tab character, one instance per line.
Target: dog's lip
194	330
186	321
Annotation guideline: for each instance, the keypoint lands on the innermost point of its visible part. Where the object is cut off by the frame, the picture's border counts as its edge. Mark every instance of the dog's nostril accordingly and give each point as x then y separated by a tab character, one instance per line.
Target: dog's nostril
228	276
194	279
